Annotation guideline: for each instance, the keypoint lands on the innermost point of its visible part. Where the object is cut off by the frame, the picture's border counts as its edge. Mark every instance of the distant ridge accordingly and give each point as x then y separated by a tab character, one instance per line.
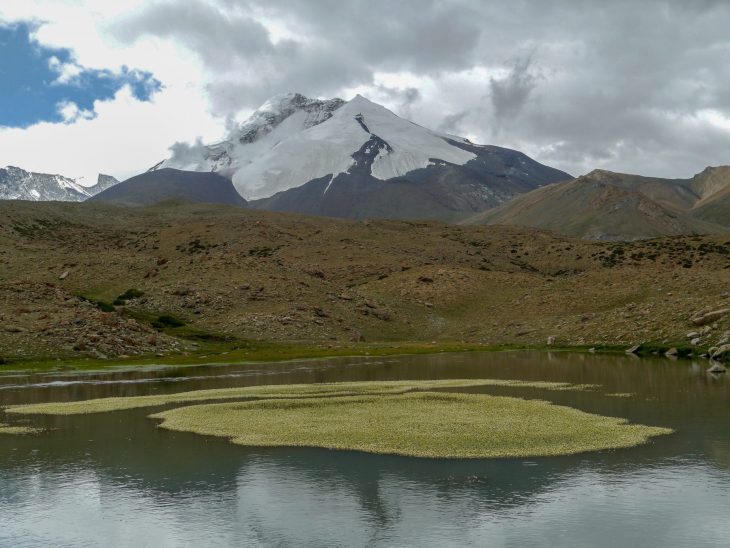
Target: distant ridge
19	184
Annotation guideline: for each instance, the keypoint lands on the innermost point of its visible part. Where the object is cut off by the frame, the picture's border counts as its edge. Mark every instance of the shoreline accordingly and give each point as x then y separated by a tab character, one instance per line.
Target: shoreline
265	352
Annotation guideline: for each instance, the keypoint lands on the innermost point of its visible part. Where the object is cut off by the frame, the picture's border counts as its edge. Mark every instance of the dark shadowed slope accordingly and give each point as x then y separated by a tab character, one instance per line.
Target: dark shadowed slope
171	184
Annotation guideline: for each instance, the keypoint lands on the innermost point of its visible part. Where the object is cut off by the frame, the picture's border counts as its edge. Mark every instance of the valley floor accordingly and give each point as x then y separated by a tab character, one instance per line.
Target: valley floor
190	282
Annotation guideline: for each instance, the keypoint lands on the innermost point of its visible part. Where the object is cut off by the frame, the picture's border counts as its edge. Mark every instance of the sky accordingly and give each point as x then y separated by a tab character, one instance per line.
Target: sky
90	86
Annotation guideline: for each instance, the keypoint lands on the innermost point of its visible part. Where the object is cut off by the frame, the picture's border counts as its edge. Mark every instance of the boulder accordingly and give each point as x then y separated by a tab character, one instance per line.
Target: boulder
721	352
717	368
709	317
381	314
319	312
672	352
695	342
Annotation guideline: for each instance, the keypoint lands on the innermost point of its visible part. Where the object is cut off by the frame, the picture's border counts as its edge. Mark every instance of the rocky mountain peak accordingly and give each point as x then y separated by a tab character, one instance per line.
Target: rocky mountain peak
280	107
711	180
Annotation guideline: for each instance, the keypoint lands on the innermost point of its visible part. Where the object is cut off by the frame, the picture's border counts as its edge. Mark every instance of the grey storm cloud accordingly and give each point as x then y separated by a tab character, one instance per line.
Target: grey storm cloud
510	93
625	85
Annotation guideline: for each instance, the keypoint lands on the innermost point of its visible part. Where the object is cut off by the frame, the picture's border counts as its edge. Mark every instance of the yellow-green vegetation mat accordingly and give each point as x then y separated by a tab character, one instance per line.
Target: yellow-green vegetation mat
412	418
17	430
102	405
426	424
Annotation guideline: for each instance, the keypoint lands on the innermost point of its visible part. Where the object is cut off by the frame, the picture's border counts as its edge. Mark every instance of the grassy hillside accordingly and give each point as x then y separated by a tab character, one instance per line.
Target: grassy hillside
101	281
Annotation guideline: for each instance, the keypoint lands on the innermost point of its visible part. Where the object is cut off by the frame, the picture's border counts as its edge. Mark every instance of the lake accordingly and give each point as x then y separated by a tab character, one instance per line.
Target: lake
115	479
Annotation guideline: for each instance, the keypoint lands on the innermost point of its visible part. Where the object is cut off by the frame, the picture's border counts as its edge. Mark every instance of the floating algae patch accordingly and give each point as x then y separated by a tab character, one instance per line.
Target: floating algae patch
418	424
102	405
17	430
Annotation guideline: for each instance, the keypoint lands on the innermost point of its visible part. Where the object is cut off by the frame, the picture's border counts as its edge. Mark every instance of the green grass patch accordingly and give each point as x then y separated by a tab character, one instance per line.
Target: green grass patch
128	295
428	424
161	322
221	348
102	405
167	320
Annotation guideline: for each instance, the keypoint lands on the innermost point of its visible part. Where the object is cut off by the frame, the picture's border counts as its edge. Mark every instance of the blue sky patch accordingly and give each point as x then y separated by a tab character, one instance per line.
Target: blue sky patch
30	92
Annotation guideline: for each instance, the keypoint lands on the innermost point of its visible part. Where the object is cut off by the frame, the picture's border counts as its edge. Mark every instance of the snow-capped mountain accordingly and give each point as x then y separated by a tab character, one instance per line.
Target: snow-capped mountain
280	118
18	184
357	158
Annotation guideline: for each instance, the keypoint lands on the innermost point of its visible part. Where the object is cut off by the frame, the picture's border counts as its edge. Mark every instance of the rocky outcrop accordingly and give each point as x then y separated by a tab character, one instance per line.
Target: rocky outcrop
53	322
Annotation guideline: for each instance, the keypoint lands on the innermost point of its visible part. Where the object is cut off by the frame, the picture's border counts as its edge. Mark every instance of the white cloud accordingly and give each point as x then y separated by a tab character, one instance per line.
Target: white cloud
121	136
126	135
715	118
70	112
640	89
67	72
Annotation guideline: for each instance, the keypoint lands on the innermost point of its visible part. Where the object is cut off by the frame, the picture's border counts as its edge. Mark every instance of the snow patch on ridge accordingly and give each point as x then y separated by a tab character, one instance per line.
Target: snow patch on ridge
18	184
329	184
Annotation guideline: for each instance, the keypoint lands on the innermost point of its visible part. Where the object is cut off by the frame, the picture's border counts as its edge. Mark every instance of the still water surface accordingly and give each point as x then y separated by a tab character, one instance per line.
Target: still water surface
116	480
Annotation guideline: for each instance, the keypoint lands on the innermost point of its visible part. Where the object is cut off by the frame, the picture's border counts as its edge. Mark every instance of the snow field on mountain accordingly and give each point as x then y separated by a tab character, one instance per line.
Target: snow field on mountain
270	154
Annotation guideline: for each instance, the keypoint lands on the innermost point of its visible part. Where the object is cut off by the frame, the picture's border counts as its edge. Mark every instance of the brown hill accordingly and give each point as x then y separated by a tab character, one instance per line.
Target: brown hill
713	187
240	275
614	206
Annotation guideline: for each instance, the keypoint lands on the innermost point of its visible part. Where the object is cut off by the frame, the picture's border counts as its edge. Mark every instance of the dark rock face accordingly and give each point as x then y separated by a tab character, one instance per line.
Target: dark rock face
439	191
172	185
318	110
